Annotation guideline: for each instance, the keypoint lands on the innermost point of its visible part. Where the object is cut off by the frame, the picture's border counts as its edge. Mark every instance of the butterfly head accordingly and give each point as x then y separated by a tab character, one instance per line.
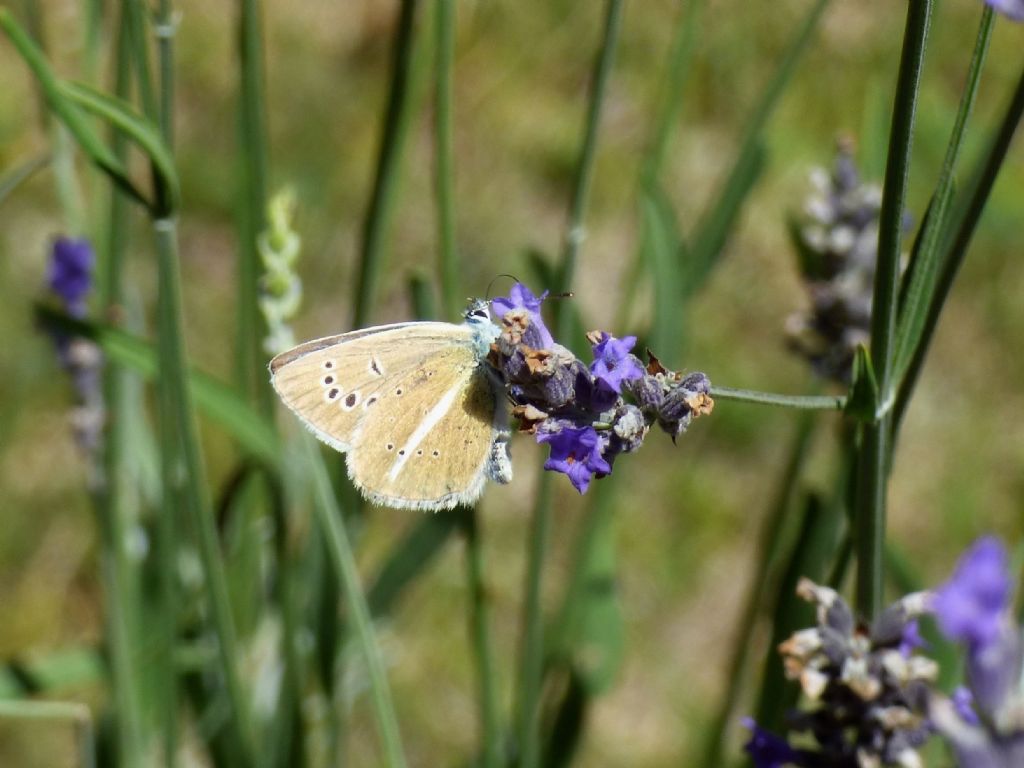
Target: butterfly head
478	312
478	317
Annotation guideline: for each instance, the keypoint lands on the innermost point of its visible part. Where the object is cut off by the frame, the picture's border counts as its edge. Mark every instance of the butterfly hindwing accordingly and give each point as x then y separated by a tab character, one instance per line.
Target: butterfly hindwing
439	431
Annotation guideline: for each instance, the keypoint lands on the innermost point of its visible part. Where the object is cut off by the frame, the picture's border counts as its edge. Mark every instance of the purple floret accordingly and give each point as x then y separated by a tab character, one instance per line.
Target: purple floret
970	606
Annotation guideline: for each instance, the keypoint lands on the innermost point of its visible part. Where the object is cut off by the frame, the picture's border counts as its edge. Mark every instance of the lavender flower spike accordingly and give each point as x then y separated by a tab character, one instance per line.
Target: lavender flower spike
1012	9
970	606
70	275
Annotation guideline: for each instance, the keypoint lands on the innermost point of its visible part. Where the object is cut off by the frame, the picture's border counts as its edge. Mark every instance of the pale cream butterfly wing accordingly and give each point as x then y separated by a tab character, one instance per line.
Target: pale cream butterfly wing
412	404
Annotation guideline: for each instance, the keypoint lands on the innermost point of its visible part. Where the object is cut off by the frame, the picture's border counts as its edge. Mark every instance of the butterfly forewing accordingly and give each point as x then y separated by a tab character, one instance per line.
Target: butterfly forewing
333	383
430	446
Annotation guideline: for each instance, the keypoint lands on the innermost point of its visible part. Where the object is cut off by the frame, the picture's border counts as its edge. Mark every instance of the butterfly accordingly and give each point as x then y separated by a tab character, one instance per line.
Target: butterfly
415	406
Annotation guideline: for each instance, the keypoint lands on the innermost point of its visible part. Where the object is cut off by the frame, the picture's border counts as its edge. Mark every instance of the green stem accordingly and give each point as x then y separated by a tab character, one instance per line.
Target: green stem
479	617
869	518
965	224
444	149
675	81
251	205
188	470
120	574
769	546
804	402
711	231
330	521
532	662
575	234
385	183
164	26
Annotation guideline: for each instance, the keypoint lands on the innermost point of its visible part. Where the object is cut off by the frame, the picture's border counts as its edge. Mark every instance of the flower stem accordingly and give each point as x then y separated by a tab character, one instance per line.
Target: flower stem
575	234
532	665
385	183
874	459
481	640
444	151
185	470
532	662
803	402
770	544
251	202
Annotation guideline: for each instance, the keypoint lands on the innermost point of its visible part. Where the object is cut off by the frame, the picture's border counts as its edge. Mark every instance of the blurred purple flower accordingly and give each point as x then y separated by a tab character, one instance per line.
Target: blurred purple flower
1012	9
911	639
963	702
521	297
970	606
70	277
613	364
576	453
768	750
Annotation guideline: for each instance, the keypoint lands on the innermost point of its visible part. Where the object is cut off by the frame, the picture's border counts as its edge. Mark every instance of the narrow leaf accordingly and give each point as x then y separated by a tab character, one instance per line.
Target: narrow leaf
592	630
65	110
408	560
713	232
219	401
921	278
662	245
141	131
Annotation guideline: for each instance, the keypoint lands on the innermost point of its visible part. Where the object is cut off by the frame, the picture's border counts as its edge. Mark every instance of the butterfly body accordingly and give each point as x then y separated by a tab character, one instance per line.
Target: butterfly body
415	406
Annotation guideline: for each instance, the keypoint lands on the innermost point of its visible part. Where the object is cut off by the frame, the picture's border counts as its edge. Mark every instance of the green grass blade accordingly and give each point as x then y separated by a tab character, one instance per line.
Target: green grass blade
140	130
184	478
661	246
343	559
678	70
483	652
448	267
714	230
531	667
711	233
965	222
251	194
923	274
591	631
408	559
385	185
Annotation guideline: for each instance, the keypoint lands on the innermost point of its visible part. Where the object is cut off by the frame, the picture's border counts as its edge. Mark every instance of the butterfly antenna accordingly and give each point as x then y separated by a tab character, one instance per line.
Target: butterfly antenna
495	279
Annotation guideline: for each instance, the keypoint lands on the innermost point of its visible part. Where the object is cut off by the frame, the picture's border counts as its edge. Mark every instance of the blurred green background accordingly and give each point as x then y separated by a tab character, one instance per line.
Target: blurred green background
686	515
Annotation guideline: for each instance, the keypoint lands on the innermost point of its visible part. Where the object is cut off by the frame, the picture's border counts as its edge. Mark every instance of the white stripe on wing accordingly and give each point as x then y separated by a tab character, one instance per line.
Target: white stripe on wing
434	415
